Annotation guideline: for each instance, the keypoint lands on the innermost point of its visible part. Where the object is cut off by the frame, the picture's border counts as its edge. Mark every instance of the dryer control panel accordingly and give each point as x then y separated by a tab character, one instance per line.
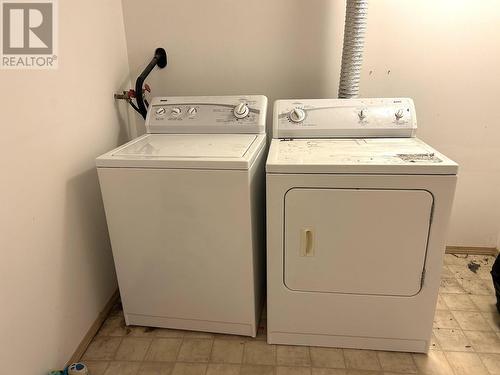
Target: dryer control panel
207	114
344	118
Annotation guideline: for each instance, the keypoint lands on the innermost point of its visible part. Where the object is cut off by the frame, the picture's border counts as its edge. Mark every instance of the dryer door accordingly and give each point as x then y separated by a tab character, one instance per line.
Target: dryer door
356	241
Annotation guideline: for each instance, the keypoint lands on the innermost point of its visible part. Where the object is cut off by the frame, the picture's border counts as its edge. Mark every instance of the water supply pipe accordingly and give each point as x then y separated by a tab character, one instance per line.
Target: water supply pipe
160	60
352	52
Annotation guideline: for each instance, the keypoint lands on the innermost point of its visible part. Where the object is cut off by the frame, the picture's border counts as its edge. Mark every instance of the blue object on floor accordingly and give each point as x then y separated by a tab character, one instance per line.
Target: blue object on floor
77	368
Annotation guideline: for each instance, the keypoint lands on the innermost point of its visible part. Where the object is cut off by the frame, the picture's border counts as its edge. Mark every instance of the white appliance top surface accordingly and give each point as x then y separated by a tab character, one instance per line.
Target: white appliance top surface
190	146
357	155
208	151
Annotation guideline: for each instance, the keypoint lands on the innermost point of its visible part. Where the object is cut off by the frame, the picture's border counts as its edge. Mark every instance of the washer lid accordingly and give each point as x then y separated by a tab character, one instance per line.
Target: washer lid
365	155
205	151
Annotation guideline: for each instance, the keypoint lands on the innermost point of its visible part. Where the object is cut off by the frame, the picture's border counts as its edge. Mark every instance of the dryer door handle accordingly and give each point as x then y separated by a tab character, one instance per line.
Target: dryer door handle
307	242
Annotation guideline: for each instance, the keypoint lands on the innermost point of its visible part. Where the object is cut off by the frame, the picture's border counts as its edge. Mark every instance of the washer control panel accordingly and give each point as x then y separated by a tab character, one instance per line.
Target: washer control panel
207	114
344	118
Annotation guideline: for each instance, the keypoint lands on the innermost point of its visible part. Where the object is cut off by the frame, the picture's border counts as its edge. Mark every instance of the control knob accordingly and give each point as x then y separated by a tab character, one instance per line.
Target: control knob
176	111
241	110
160	111
297	115
399	114
192	111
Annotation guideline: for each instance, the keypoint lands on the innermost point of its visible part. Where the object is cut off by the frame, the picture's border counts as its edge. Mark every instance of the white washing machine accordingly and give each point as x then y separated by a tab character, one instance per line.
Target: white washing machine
184	205
357	214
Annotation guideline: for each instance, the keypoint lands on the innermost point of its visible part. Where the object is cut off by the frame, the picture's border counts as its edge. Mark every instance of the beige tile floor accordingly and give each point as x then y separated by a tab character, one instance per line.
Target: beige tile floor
466	341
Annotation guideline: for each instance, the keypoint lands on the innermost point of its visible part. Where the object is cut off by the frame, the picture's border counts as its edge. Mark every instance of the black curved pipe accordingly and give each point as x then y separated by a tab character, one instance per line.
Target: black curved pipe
160	59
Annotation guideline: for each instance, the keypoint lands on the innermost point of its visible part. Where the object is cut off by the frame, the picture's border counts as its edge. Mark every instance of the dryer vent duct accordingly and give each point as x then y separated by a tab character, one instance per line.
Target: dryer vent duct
352	52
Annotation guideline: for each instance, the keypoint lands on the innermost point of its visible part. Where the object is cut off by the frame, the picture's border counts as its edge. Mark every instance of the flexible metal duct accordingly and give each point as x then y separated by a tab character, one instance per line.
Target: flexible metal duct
352	52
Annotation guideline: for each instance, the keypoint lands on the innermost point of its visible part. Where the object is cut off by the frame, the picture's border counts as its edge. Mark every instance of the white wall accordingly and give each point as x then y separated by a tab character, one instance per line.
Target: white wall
443	53
56	271
446	55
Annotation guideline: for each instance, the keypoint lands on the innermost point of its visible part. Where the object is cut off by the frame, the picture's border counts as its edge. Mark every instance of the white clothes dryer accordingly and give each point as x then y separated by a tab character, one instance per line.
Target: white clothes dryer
357	215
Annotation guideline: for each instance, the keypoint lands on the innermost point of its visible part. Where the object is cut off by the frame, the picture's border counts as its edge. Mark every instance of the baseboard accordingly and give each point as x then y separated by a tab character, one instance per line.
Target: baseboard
87	339
472	250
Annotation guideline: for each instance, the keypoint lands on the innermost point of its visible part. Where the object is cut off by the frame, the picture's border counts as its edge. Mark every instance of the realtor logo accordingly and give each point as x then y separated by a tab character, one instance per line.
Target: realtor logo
28	34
